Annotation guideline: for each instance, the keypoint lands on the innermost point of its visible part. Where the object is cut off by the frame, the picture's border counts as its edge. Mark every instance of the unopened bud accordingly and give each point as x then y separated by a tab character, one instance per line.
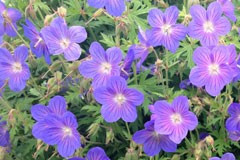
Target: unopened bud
158	63
209	140
109	136
62	12
175	157
92	130
98	13
48	20
131	155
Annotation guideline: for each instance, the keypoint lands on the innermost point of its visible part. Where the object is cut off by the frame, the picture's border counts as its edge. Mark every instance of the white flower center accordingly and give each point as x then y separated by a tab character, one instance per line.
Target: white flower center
17	67
120	99
106	68
213	69
67	131
208	27
38	42
166	29
176	118
64	43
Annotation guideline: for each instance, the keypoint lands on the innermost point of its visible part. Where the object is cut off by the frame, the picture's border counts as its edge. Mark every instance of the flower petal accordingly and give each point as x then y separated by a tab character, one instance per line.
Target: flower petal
88	68
58	105
180	104
21	53
96	3
214	11
78	34
190	120
171	14
198	14
110	113
114	55
73	52
39	112
201	56
103	95
128	112
115	7
134	96
167	145
155	18
97	52
178	134
222	26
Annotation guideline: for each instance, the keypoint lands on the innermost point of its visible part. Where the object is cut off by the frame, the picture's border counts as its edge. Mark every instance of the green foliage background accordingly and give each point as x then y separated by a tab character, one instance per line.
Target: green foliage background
63	78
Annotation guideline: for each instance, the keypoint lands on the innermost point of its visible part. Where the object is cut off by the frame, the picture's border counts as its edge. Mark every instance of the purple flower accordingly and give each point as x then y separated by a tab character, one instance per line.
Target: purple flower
141	50
184	84
102	65
233	122
14	68
207	26
127	64
4	134
228	9
63	133
61	39
113	7
212	69
118	101
57	106
174	119
232	62
152	141
96	153
234	136
226	156
164	30
37	44
2	83
56	126
10	16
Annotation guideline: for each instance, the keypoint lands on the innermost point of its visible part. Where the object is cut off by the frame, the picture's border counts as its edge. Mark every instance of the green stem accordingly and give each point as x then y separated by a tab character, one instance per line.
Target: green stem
19	35
89	28
5	103
129	133
117	32
135	73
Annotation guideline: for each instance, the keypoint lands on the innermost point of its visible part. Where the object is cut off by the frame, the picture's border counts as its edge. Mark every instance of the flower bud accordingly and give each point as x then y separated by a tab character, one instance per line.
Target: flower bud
131	155
48	19
62	12
109	136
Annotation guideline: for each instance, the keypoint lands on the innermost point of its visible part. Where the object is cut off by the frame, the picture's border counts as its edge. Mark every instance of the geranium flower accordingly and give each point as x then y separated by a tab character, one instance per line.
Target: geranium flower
164	30
11	16
102	65
96	153
228	9
14	68
61	39
141	50
233	122
226	156
37	44
212	70
152	141
174	119
118	101
127	64
113	7
4	134
56	126
207	26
